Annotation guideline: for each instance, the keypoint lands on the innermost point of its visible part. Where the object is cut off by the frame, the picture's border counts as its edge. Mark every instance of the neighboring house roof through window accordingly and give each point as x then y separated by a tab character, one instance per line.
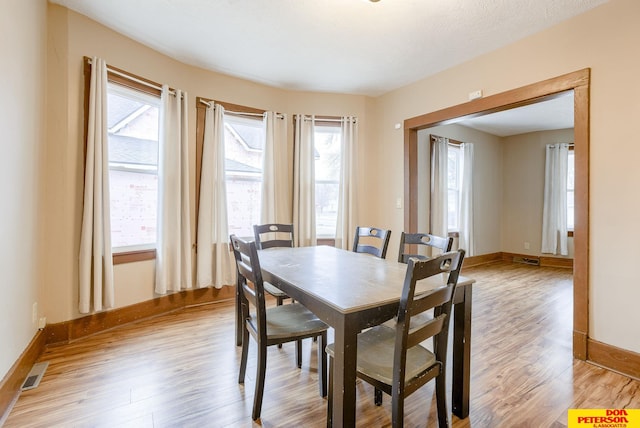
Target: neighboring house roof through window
252	137
121	110
235	166
130	150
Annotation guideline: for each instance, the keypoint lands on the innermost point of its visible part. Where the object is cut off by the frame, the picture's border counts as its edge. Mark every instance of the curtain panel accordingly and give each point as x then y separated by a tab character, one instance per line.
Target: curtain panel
554	215
275	203
465	240
439	187
346	219
215	265
304	210
96	258
173	248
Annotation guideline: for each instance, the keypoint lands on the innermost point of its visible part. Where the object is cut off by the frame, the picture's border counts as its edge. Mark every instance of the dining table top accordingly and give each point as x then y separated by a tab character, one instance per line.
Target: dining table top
344	280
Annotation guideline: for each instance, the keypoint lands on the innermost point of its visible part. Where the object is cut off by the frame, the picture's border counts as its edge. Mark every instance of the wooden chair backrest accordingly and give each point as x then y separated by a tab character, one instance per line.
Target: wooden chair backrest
249	272
426	239
273	235
375	241
412	305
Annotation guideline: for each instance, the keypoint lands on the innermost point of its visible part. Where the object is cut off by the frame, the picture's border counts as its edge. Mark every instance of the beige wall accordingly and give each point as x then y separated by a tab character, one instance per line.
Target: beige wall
508	186
603	40
487	184
522	202
73	36
22	120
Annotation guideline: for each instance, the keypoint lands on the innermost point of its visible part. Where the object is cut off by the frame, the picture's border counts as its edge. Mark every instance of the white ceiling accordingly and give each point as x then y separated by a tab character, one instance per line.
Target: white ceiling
556	113
340	46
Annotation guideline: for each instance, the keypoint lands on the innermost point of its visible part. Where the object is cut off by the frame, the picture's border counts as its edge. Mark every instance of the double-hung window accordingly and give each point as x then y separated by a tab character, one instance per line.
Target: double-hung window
244	139
454	186
327	147
570	189
133	129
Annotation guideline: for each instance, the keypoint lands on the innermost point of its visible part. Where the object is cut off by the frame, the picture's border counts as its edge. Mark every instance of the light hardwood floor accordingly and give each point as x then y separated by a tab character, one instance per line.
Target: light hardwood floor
181	369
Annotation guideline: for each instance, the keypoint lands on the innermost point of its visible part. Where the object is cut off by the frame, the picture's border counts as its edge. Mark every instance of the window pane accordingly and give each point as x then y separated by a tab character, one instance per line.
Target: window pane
452	201
327	172
133	166
244	146
453	173
454	181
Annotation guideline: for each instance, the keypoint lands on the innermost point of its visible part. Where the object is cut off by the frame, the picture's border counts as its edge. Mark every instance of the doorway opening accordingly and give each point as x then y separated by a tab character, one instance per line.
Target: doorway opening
579	83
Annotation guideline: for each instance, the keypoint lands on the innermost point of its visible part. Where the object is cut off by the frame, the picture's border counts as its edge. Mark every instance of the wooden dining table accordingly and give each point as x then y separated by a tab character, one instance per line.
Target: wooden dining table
352	291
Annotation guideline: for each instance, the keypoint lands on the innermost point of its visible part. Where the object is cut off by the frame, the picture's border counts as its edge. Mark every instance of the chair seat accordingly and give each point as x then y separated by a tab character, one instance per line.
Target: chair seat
273	290
291	322
375	355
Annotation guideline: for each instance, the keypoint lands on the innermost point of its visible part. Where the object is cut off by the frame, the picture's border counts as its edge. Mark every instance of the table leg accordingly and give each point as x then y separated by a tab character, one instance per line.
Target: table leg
344	379
462	354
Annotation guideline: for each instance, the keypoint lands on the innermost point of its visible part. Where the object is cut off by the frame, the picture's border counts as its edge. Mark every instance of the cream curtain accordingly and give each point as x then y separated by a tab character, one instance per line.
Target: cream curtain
95	258
215	264
554	216
466	241
304	210
346	220
275	204
173	248
439	187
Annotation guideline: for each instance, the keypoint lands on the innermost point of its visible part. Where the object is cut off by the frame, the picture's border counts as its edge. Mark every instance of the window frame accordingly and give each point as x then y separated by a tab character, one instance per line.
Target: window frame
432	139
201	109
138	83
330	122
460	156
572	153
232	120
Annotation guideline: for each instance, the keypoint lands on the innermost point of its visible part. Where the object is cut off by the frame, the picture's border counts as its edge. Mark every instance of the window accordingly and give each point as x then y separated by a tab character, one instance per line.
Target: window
570	189
133	130
244	139
454	186
327	142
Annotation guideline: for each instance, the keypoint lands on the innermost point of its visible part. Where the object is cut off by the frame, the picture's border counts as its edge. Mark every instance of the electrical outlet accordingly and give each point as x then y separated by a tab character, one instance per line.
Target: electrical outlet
399	203
526	245
475	94
42	322
34	313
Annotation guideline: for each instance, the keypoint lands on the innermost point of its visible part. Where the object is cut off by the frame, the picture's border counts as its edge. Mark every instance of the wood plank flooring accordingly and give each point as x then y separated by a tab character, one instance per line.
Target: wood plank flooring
181	369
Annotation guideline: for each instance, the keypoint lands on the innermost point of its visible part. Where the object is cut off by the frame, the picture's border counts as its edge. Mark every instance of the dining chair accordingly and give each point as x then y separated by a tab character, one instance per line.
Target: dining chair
273	235
425	239
371	240
271	326
392	359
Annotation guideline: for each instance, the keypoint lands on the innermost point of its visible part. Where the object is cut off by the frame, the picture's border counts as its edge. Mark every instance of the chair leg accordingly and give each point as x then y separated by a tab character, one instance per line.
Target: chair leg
377	397
322	363
330	395
260	374
279	301
299	353
239	320
397	411
441	401
243	357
